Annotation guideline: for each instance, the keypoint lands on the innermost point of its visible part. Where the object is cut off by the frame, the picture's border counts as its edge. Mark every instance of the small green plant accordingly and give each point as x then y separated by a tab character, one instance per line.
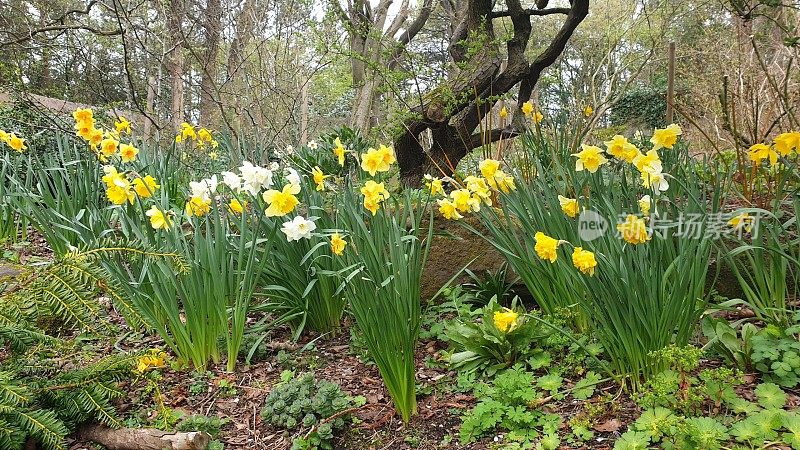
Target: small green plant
493	338
776	354
511	403
211	425
493	284
304	404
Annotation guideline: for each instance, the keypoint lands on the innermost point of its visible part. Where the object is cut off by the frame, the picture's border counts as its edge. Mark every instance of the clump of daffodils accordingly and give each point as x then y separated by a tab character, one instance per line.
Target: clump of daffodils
472	192
12	140
106	144
199	137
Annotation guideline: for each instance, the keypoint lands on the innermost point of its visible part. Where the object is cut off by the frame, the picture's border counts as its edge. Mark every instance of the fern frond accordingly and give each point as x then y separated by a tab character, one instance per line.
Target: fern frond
44	426
111	248
11	437
12	394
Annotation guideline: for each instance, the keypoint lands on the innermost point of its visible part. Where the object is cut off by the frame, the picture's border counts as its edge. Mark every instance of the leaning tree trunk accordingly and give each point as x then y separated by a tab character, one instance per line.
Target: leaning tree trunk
453	111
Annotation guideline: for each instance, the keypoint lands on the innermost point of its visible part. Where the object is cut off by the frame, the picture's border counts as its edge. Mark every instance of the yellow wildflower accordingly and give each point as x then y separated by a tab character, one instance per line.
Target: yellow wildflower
213	156
337	244
633	230
584	261
760	152
448	209
505	320
503	112
153	360
589	158
158	220
198	206
546	247
666	137
588	110
281	202
620	148
569	206
319	178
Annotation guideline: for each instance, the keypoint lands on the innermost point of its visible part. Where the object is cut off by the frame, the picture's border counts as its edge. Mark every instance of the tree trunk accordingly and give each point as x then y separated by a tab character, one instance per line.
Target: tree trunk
209	111
144	439
174	21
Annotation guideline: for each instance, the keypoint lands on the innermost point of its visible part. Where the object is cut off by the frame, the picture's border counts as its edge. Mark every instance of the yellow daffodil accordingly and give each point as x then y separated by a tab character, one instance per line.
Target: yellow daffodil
742	221
464	201
145	187
546	247
503	112
187	132
760	152
281	202
666	137
633	230
785	143
527	109
109	147
95	137
588	110
319	178
589	158
122	125
236	207
83	115
17	143
152	360
448	209
377	160
204	135
339	150
120	192
213	156
158	219
128	152
620	148
198	206
584	261
489	168
644	205
374	194
569	206
337	244
4	136
505	320
434	185
647	163
478	187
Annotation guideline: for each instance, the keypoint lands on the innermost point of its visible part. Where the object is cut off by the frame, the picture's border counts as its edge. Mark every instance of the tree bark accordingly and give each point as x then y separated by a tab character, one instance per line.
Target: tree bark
174	27
144	439
453	111
212	23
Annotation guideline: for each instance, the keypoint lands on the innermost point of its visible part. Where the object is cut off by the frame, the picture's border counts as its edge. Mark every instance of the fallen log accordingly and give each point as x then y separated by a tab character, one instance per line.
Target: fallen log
144	438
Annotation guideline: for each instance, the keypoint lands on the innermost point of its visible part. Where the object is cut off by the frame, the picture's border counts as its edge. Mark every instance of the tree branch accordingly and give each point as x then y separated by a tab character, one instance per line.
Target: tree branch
532	12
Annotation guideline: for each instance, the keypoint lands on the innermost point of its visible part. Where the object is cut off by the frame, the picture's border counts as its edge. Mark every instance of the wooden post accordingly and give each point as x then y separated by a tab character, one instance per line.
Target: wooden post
671	83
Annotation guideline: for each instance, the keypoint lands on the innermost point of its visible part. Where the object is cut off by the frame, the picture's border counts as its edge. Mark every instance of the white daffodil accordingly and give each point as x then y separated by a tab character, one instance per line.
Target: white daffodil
298	228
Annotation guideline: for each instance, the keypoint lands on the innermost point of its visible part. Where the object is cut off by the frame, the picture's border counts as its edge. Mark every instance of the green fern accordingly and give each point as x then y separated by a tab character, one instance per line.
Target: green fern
38	400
